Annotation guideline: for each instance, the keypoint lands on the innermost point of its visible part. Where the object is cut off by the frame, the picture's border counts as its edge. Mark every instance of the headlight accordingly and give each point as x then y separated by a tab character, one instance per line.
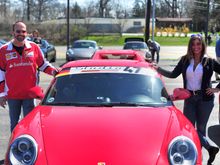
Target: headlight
23	151
181	151
70	52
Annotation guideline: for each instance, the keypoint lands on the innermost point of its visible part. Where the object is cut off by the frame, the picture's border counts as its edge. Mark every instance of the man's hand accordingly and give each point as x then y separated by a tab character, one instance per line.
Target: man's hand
55	72
3	100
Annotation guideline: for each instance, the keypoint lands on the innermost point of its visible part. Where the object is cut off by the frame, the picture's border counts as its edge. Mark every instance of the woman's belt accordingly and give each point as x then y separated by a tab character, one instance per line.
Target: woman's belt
197	92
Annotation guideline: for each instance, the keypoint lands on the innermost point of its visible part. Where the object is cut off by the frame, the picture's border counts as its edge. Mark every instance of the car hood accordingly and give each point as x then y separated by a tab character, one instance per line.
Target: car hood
83	52
110	135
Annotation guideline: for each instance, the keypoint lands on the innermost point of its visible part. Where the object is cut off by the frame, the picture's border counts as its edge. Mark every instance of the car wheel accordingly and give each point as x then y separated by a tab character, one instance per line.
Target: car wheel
67	59
54	58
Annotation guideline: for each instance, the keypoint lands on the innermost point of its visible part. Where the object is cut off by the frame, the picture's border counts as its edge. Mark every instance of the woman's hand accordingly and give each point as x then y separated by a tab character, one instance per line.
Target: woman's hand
154	65
210	91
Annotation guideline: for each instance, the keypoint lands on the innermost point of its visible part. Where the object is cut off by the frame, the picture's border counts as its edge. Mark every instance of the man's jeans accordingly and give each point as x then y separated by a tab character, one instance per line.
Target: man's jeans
15	109
198	112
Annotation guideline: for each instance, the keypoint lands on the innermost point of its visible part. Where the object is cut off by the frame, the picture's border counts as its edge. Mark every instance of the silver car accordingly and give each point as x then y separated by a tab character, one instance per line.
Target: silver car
138	44
82	49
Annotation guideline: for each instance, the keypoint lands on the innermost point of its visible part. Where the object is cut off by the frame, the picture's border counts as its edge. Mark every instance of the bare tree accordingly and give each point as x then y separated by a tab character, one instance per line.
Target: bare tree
104	8
90	10
120	9
39	7
3	7
138	10
75	11
172	4
26	8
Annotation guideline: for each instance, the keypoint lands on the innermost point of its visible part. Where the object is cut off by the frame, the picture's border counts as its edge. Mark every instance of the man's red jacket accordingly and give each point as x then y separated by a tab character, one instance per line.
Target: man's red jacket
18	73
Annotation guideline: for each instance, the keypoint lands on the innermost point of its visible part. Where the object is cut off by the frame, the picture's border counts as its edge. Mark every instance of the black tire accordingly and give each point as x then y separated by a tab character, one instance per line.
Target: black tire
54	59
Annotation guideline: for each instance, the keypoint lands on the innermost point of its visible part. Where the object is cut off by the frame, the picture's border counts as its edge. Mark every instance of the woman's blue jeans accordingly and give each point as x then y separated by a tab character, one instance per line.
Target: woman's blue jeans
15	106
198	112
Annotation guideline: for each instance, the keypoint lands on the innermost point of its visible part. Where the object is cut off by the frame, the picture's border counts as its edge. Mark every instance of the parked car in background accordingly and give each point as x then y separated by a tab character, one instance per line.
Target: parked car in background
138	44
82	49
47	48
106	111
2	42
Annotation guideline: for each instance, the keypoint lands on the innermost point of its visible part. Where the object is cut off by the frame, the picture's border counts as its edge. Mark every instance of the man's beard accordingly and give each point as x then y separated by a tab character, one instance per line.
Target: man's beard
20	38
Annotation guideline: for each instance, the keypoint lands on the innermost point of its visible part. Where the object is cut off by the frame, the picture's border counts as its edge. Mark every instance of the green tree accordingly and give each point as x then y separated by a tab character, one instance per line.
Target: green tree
198	14
215	15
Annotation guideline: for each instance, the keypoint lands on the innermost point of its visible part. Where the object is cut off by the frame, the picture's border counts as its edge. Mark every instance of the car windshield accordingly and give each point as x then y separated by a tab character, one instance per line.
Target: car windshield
83	45
135	45
107	89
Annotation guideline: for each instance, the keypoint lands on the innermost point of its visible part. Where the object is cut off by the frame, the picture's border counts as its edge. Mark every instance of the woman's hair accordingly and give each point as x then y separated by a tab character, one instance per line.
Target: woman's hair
189	54
35	32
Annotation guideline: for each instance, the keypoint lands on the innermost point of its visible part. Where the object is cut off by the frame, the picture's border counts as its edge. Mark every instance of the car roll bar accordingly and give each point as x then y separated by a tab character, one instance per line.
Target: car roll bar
118	54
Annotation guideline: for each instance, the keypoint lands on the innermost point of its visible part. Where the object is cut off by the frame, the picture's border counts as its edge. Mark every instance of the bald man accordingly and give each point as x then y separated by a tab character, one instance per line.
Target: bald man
19	61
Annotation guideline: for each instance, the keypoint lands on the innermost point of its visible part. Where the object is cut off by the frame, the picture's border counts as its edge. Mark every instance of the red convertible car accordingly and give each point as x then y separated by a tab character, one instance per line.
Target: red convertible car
110	110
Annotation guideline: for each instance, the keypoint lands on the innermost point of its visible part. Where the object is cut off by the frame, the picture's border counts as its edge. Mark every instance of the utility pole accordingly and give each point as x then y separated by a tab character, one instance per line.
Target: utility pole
153	20
207	22
68	24
28	10
147	20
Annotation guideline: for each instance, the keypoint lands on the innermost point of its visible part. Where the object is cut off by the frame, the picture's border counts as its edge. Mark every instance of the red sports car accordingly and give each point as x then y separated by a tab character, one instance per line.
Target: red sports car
106	111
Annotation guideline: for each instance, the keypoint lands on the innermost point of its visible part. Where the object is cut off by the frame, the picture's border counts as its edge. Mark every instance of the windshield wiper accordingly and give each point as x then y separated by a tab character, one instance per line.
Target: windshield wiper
102	104
65	104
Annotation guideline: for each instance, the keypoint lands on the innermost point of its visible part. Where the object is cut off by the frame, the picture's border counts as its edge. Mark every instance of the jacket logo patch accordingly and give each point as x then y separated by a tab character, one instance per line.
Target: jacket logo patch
30	54
11	56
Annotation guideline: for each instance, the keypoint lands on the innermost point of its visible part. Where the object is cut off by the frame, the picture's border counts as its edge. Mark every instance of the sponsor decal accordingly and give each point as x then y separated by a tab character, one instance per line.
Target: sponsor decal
108	69
114	69
20	64
10	56
23	64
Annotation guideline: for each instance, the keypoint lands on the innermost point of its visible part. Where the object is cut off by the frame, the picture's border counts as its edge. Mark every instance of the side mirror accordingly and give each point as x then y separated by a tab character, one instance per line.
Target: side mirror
180	94
148	54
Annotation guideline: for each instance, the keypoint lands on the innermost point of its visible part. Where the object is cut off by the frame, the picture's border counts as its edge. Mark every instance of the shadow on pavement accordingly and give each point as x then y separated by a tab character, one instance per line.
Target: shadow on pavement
1	162
214	134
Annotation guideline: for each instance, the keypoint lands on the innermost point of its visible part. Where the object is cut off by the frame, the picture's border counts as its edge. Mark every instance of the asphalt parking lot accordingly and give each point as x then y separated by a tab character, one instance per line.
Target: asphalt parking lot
169	56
